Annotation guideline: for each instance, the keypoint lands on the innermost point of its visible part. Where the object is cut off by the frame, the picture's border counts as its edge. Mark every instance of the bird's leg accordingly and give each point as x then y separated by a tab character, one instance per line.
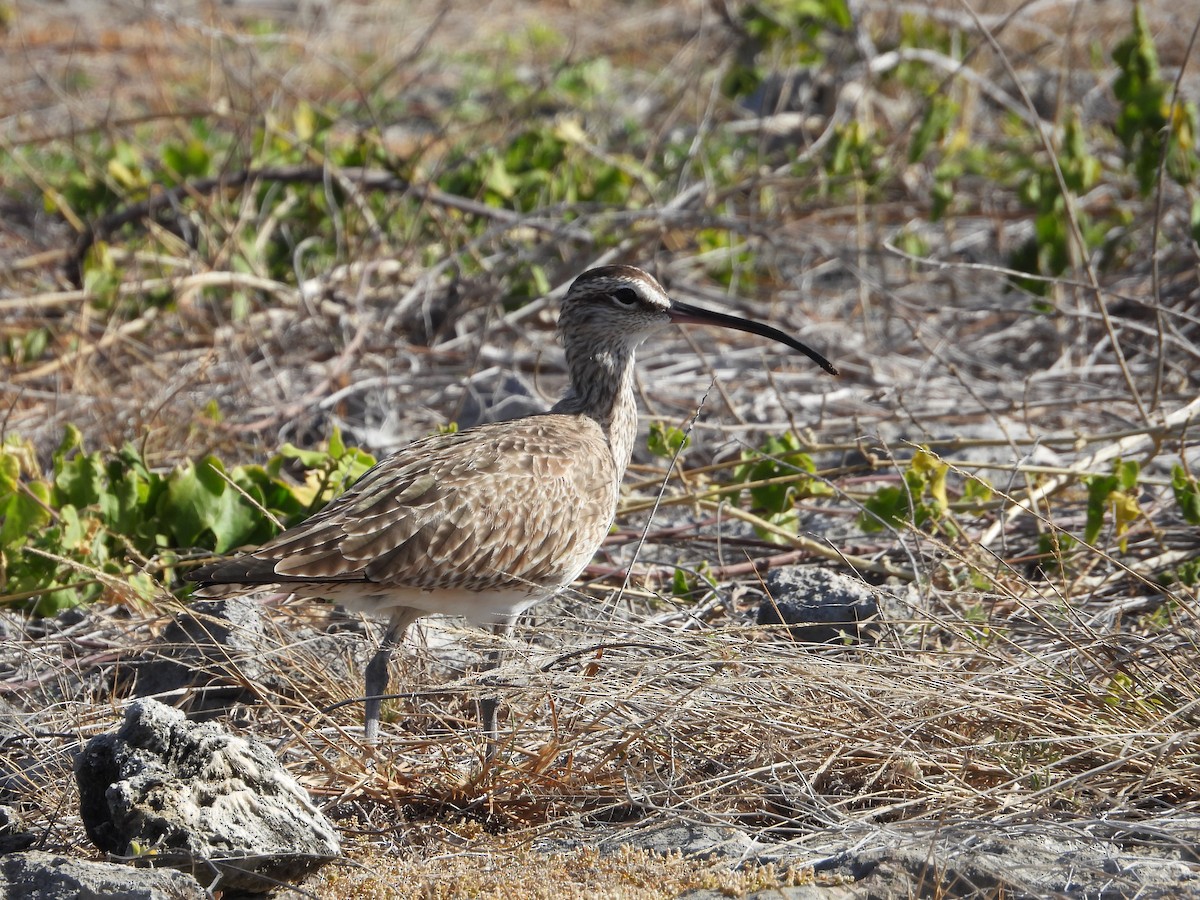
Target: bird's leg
490	703
377	670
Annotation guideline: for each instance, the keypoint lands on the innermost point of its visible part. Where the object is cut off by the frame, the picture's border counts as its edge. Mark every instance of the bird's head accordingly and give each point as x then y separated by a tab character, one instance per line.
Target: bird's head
613	304
622	306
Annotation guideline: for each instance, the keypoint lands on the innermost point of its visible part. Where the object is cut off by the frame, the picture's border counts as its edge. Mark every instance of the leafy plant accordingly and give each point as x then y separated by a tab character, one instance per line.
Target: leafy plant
1054	548
726	256
539	166
855	153
105	177
1148	124
103	519
1187	573
777	475
26	348
1116	493
190	158
687	583
666	441
940	114
1187	494
921	500
1049	250
797	29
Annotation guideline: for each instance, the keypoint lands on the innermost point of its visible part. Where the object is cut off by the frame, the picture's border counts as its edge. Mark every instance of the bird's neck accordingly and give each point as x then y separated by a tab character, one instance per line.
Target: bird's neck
602	389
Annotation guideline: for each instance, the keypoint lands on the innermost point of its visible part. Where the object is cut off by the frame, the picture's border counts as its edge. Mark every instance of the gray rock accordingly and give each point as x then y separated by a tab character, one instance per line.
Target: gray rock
820	606
497	398
967	859
210	652
13	835
982	860
222	652
48	876
199	799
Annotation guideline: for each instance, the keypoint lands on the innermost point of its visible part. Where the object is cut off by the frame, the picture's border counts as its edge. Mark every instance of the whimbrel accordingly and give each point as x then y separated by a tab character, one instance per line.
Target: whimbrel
486	522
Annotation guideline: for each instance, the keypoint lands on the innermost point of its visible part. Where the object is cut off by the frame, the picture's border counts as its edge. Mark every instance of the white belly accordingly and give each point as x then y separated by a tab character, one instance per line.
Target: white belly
481	609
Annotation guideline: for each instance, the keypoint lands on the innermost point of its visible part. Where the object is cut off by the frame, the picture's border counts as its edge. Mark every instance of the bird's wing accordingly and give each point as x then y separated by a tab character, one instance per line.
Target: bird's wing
509	505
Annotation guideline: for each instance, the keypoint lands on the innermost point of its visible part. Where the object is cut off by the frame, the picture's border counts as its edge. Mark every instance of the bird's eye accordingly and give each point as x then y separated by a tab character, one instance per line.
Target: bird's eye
625	296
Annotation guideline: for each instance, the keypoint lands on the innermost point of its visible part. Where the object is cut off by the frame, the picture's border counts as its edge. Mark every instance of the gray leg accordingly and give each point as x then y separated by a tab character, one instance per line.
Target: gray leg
489	705
377	670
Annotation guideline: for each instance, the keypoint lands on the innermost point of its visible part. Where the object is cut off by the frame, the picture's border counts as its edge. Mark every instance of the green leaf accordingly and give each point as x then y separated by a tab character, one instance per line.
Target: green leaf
1098	488
143	586
932	472
100	283
497	179
1151	127
199	500
189	160
23	512
939	114
212	412
922	500
351	467
680	585
1056	542
275	495
121	501
976	491
942	195
1187	494
10	473
781	462
53	601
740	81
1187	573
310	459
73	529
1126	472
1125	511
779	458
80	481
337	448
72	439
34	345
888	507
541	281
1116	492
665	441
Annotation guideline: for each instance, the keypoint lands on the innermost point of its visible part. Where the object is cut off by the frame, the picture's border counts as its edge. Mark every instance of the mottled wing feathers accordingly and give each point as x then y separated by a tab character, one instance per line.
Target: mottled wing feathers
520	504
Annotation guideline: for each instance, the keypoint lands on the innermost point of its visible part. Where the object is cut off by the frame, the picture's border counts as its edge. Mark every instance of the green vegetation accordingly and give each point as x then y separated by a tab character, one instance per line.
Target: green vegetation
105	522
1157	129
665	441
776	477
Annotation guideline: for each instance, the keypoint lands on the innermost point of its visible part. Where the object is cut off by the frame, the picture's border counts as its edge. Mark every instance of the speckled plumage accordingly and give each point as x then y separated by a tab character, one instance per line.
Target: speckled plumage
486	522
511	506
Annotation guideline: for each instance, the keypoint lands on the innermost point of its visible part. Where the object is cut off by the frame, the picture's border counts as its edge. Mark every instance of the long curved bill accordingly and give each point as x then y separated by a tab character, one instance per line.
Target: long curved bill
686	314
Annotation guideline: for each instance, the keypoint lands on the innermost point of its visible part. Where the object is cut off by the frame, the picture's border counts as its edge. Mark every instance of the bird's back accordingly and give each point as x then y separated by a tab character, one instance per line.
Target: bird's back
512	509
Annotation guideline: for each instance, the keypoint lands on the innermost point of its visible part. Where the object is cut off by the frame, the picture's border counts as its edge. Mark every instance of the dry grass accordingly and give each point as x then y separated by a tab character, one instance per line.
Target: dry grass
1012	687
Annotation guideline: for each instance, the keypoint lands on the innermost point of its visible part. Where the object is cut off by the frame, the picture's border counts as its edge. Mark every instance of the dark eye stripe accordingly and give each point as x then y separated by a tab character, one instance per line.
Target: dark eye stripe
625	295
